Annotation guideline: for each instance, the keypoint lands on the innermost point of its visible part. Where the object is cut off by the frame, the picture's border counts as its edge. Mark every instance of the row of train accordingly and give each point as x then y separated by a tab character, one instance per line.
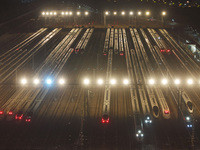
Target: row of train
114	41
80	47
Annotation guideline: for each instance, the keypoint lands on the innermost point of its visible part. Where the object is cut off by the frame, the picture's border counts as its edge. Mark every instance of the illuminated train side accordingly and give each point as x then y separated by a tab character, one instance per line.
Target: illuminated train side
116	44
106	105
121	45
80	43
106	43
187	101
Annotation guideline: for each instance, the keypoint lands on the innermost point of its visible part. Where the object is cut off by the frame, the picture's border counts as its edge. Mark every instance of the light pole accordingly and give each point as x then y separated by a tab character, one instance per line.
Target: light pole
78	13
105	14
86	17
130	17
139	14
162	17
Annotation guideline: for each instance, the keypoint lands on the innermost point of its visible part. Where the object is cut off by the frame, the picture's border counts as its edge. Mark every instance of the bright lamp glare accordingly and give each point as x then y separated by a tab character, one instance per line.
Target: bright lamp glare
23	81
51	13
100	81
86	81
61	81
43	13
106	13
49	81
147	13
187	118
70	13
163	13
62	13
115	13
177	81
47	13
55	13
86	13
164	81
131	13
190	81
151	81
123	13
112	81
36	81
66	13
125	81
139	13
78	13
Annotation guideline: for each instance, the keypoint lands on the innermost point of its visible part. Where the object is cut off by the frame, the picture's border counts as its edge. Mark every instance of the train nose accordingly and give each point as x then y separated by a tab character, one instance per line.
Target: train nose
155	111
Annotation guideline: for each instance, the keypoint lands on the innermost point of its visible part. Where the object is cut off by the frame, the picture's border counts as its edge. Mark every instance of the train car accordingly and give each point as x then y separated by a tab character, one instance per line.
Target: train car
116	44
147	119
155	111
165	51
106	106
139	133
105	50
82	50
187	101
121	45
78	48
111	38
188	120
166	112
105	118
106	43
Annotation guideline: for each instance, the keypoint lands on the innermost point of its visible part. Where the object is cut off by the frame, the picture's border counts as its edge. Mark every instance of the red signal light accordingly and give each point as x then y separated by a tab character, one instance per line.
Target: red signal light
28	120
10	113
1	112
105	121
104	54
168	50
162	50
166	111
121	54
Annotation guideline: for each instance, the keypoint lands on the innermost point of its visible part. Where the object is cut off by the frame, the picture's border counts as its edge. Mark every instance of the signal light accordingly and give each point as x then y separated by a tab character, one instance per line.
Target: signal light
10	113
166	111
162	50
105	121
1	112
28	120
121	54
